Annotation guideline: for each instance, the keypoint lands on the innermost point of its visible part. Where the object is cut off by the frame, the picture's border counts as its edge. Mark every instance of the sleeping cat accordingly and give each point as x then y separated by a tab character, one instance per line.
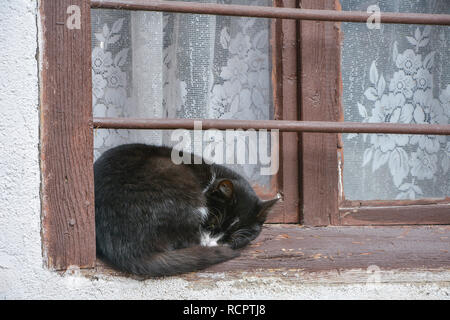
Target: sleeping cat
156	218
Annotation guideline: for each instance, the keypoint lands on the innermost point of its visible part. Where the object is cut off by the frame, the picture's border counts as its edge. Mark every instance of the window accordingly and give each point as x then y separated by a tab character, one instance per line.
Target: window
395	179
171	65
387	170
307	67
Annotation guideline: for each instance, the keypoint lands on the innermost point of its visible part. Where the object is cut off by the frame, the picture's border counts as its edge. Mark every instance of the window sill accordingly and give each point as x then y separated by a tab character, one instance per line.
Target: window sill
290	250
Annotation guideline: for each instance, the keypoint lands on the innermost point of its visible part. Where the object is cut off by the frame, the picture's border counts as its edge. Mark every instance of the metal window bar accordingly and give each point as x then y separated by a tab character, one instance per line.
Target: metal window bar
279	13
271	12
281	125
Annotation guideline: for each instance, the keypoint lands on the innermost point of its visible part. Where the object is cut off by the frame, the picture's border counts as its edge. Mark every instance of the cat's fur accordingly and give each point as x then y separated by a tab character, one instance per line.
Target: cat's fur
156	218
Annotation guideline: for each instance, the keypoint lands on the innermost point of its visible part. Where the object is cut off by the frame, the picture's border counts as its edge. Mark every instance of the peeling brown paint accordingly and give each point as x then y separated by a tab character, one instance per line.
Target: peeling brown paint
334	249
68	231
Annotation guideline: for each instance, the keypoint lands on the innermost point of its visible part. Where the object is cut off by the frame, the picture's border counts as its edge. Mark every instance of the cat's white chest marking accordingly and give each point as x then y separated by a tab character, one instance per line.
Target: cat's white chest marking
207	240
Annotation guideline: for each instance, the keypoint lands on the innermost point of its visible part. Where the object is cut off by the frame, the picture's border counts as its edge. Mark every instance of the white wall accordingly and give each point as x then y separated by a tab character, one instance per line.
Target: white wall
20	252
22	275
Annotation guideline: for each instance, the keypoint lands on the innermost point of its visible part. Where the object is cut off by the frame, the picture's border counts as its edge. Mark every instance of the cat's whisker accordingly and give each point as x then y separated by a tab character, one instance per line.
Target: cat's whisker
219	216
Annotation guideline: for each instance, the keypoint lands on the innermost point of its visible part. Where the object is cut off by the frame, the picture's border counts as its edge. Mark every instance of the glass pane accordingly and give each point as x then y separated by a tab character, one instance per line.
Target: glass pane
396	74
164	65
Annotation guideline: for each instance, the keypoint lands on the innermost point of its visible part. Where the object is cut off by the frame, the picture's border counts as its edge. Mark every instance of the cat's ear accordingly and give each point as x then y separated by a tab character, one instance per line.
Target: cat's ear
225	187
265	209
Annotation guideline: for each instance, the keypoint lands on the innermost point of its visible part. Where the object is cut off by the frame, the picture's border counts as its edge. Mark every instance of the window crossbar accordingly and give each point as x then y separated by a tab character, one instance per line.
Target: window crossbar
272	12
279	13
281	125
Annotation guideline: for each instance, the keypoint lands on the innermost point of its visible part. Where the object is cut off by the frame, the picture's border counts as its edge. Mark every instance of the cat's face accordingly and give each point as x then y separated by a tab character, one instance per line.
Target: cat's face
235	212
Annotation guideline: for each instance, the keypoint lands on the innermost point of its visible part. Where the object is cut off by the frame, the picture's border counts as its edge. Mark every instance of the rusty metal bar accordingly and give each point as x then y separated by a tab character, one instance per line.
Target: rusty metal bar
281	125
271	12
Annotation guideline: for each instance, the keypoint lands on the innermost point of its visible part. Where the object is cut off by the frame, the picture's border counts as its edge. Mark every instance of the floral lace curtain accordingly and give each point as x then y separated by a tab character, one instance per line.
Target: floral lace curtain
151	64
396	74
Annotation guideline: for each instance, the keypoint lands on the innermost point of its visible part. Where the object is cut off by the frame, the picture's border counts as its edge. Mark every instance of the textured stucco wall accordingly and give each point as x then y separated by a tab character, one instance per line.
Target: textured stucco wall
22	274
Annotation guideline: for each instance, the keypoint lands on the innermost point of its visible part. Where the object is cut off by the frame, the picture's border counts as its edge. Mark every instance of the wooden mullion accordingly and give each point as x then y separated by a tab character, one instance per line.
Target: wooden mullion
320	89
284	83
68	222
278	212
289	140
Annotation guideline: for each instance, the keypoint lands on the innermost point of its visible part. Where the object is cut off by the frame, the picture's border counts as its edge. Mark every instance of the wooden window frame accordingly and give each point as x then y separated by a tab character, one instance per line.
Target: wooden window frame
66	138
66	127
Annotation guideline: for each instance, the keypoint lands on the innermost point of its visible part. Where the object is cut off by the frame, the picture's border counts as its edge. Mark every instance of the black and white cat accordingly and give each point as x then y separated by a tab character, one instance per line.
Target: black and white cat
156	218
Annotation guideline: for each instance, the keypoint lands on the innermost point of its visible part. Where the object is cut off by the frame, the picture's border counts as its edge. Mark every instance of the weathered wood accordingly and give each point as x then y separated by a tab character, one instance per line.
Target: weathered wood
385	203
327	248
284	84
396	215
68	230
278	211
282	249
367	276
394	212
289	141
320	100
330	248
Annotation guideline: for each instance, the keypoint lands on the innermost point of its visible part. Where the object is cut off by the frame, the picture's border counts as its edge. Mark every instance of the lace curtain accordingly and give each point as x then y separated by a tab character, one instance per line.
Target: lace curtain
396	74
151	64
157	65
